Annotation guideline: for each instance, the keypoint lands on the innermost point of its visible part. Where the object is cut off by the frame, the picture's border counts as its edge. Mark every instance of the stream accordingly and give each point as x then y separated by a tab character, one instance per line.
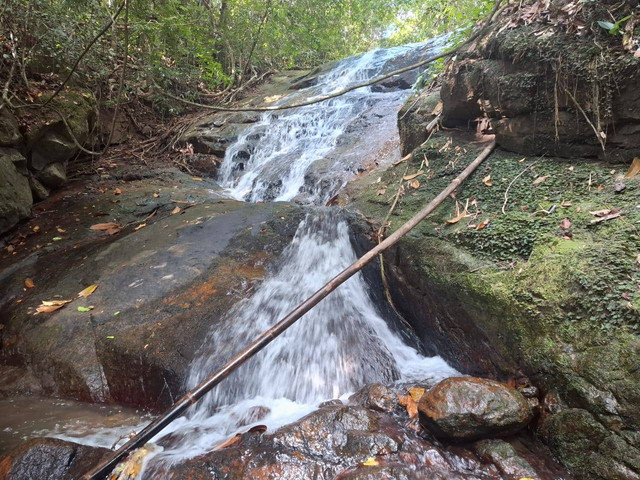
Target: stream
342	344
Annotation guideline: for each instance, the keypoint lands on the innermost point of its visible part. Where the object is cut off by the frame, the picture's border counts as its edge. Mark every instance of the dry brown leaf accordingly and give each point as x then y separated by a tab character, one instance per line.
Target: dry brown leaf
565	204
541	179
601	213
60	230
229	442
414	184
155	195
565	224
413	175
110	227
142	225
416	393
117	191
175	210
483	224
634	169
47	308
463	214
29	283
487	181
88	291
382	191
197	179
55	302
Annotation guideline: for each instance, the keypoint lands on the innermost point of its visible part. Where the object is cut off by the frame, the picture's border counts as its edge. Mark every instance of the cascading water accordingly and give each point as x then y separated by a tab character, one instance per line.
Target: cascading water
341	344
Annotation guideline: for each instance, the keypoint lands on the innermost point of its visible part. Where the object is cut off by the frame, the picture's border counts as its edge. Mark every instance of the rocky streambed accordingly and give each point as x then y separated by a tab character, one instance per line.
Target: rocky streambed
514	279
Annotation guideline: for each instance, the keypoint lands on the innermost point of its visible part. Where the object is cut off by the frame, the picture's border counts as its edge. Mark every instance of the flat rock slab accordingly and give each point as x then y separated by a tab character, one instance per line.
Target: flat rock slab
171	272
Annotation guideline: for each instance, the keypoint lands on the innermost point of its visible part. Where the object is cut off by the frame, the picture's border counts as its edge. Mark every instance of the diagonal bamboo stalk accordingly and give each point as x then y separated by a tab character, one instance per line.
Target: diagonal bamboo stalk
103	468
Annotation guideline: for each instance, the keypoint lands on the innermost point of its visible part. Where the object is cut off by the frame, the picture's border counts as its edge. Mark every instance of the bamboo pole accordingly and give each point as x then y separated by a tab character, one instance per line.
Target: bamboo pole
103	468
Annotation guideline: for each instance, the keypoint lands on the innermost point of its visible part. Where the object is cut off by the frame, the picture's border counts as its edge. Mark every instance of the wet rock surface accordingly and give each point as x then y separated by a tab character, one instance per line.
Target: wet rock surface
467	408
160	286
49	458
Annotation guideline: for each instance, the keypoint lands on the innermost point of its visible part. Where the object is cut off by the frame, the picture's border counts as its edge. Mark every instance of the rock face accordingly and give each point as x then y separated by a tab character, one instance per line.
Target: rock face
39	151
467	408
504	456
15	194
160	287
508	76
49	458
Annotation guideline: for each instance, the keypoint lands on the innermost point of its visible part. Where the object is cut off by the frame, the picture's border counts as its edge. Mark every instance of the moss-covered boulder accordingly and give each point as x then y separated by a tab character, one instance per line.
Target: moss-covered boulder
531	271
15	193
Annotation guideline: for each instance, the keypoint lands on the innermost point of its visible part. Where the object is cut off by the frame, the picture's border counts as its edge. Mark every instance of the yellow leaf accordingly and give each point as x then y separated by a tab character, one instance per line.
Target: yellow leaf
634	169
414	184
413	175
487	181
47	308
175	210
416	393
197	179
371	462
88	291
58	303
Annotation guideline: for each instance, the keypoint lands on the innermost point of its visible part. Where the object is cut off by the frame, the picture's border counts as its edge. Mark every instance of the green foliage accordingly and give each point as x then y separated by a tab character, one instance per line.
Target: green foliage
613	28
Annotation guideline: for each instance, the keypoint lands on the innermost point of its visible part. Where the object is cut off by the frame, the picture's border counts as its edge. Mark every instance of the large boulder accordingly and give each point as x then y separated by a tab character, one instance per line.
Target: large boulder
53	175
15	194
467	408
161	287
9	129
49	459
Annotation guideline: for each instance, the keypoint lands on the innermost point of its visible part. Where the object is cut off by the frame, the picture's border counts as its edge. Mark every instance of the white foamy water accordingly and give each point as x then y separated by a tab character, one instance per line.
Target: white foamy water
290	142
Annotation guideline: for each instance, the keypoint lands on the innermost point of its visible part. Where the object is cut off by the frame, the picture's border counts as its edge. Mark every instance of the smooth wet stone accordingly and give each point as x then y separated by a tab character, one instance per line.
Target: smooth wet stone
49	459
467	408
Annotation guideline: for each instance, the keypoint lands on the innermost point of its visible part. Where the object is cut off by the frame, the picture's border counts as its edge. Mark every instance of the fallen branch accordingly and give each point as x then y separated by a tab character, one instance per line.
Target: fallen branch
345	90
106	465
586	117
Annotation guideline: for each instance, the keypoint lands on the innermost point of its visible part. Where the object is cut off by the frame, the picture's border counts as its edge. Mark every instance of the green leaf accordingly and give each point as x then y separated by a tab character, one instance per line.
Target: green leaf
84	309
606	25
110	337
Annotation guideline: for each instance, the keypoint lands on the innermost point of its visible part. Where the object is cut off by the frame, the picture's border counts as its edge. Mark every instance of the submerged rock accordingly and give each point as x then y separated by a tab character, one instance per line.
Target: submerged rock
377	397
505	457
466	408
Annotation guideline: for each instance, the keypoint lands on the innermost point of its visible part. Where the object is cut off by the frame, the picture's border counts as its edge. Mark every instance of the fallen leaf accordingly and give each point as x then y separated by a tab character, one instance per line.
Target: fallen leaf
483	224
175	210
229	442
60	230
600	188
601	213
410	404
565	224
539	180
85	309
463	214
155	195
634	169
414	184
11	249
110	228
142	225
55	302
371	462
197	179
413	175
382	191
565	204
29	283
56	239
611	216
487	181
36	228
416	393
88	291
110	337
47	308
116	313
117	191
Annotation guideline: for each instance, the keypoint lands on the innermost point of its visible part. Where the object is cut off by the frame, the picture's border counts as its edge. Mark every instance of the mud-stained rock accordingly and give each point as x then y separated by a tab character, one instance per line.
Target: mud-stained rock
467	408
9	129
50	459
15	195
53	175
376	397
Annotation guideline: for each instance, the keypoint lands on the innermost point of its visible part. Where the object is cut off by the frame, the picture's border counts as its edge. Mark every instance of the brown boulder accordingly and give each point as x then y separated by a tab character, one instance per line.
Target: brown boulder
467	408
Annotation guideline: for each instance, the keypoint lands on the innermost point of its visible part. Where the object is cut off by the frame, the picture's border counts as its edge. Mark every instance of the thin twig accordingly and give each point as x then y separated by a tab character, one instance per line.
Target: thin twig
506	192
586	117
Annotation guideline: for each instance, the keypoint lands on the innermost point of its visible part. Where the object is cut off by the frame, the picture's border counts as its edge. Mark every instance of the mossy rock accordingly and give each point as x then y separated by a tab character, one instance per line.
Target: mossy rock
530	282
